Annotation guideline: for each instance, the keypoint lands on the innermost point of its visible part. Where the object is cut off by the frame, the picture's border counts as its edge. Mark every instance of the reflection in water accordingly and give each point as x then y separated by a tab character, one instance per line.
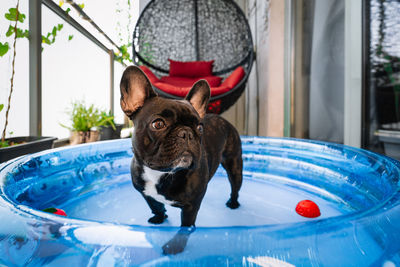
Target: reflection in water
385	61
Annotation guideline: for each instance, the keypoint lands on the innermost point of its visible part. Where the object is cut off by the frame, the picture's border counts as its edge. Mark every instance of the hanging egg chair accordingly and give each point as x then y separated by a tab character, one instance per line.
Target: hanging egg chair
178	42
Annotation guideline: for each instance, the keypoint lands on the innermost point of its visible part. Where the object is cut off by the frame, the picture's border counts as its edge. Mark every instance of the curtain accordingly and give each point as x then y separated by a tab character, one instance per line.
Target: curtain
327	72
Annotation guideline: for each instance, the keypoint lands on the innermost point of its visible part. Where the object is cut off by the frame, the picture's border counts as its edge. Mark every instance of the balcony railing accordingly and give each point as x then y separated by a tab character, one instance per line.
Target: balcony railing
35	55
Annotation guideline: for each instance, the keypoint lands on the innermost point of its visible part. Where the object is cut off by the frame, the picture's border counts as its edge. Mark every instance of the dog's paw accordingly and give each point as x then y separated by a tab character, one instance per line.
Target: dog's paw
173	247
158	219
233	204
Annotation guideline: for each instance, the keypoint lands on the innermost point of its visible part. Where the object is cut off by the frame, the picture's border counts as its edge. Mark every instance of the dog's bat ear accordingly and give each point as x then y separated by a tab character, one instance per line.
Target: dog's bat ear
135	90
199	96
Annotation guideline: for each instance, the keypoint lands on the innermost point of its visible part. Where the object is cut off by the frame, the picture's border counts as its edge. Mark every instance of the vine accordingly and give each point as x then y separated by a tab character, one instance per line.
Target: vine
123	54
15	16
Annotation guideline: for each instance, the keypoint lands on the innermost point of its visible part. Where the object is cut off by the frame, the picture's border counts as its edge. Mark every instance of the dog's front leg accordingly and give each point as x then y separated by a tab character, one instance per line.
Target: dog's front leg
178	243
157	208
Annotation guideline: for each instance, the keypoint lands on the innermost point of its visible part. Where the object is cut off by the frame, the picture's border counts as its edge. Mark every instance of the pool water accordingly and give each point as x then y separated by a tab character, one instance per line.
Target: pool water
263	202
357	192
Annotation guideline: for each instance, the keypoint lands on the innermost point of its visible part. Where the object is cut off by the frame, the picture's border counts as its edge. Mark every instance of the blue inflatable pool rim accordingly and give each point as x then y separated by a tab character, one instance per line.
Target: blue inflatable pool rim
364	187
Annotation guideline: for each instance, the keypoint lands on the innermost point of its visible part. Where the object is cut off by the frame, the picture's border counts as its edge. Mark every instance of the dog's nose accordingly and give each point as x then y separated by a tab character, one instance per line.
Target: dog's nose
185	134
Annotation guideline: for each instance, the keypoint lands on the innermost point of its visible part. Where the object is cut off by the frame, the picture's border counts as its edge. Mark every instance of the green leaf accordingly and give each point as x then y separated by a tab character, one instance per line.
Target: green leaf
1	107
22	33
10	31
81	5
123	49
26	34
46	40
21	17
12	15
4	144
54	32
3	49
68	10
70	37
60	26
50	210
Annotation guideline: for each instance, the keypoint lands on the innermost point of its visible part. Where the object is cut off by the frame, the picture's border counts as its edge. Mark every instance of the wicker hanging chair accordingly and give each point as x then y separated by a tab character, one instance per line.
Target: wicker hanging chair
195	30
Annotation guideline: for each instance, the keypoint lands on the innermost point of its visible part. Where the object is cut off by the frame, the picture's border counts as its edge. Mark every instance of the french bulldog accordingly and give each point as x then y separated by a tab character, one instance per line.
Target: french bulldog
177	149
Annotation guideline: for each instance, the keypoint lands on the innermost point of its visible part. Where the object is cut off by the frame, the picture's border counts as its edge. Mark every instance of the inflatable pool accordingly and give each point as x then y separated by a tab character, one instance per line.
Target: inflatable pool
357	193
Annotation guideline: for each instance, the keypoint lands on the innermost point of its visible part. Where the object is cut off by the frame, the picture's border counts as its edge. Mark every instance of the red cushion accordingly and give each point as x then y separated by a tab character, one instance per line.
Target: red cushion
178	81
183	90
213	81
190	68
234	78
153	78
172	89
219	90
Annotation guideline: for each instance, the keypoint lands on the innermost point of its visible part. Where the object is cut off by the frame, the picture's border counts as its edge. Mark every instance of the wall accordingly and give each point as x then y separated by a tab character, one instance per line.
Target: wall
237	114
266	83
260	110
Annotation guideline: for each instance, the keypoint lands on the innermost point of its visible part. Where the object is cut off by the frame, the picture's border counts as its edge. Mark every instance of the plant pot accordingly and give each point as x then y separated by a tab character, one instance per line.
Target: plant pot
108	133
386	108
28	145
84	137
391	142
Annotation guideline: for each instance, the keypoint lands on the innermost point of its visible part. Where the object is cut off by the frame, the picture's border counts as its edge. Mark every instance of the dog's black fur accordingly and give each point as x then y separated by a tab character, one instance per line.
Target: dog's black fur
178	148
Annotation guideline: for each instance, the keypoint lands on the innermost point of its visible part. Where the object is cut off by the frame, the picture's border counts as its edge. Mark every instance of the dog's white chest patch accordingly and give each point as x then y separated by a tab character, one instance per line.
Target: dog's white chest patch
151	178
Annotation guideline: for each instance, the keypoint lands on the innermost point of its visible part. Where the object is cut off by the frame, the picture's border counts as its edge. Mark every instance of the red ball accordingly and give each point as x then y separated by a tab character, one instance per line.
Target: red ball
60	212
308	208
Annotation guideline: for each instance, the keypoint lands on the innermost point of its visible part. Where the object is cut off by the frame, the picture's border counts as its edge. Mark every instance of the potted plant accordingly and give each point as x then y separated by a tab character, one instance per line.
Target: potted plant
86	123
110	130
17	146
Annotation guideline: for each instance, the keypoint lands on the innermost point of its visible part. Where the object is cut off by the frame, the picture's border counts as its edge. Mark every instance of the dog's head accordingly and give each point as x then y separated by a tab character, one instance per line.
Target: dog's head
167	133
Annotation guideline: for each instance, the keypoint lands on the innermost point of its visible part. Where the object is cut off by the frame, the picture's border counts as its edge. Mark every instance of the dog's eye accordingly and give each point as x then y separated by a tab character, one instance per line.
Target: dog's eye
158	124
200	128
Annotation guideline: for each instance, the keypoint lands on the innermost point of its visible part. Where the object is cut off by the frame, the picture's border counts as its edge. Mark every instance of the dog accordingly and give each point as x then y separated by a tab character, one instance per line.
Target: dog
177	149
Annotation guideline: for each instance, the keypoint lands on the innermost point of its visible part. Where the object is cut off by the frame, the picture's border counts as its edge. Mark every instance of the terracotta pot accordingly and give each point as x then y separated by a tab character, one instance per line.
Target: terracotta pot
83	137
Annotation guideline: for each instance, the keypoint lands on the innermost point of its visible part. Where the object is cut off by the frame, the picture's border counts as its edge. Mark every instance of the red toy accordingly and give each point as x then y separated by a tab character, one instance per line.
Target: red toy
308	208
55	211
